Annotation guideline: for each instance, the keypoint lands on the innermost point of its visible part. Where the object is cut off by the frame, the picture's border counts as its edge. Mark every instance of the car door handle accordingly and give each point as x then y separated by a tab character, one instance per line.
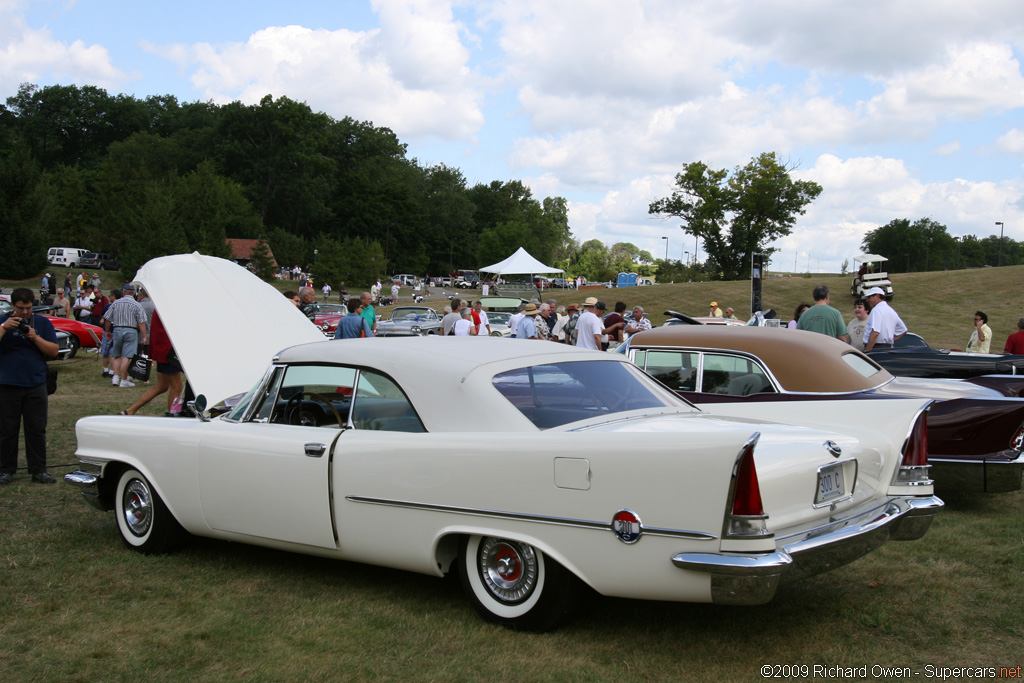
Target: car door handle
315	450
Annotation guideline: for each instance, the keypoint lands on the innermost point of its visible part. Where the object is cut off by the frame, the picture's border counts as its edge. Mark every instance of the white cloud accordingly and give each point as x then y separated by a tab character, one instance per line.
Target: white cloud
410	75
971	79
656	51
1012	142
33	55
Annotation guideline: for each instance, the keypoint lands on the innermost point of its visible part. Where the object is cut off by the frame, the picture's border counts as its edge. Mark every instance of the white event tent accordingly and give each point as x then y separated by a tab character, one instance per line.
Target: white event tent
520	263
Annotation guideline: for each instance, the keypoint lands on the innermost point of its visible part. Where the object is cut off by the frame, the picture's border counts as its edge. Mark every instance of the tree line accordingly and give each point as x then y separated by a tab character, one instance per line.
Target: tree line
926	245
142	178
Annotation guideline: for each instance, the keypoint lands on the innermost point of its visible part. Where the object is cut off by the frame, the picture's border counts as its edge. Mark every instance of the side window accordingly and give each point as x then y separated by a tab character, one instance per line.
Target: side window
379	404
312	396
733	375
677	369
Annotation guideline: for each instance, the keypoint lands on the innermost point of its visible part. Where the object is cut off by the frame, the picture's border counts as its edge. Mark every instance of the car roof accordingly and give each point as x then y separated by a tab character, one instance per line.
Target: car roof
801	361
447	379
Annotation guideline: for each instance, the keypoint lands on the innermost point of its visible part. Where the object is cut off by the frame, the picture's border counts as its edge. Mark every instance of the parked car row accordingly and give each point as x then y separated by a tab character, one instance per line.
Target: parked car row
73	257
975	428
368	451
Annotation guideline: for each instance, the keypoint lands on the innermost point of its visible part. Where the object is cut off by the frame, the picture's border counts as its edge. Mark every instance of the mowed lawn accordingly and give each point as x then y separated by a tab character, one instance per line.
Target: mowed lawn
75	605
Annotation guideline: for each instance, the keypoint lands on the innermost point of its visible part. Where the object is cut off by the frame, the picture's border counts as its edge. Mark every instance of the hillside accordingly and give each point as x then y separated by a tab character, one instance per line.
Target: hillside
938	305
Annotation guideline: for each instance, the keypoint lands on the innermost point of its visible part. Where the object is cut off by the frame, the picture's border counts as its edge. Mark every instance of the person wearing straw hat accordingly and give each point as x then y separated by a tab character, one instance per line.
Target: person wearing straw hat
527	327
589	327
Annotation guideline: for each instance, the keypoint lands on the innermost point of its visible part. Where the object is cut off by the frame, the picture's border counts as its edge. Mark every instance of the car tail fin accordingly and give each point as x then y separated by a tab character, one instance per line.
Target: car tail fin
745	517
914	469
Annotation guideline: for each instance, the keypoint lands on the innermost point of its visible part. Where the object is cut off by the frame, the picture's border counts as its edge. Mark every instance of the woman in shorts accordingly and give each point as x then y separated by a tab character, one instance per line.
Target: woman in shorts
168	371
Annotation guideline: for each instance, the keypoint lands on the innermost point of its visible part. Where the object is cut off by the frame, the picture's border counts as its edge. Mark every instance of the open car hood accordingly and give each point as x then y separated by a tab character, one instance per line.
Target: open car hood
224	322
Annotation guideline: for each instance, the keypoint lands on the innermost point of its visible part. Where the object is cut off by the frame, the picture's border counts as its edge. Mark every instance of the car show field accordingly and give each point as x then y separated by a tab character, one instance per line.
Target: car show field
76	601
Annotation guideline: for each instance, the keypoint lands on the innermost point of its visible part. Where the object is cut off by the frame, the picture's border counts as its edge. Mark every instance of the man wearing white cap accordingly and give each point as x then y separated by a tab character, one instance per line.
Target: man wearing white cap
884	324
589	327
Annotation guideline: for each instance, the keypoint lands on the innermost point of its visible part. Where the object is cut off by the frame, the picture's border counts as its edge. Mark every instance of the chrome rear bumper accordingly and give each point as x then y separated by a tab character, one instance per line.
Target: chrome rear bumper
752	579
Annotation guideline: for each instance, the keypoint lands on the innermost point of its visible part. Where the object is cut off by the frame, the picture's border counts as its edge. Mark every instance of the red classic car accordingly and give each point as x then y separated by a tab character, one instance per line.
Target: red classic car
326	316
79	331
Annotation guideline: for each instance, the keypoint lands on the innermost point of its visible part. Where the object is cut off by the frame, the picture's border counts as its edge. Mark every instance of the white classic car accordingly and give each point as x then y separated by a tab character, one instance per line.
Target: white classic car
592	473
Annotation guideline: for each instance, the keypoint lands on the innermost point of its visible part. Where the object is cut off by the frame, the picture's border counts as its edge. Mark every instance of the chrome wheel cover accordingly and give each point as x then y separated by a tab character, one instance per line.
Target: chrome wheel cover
509	570
137	507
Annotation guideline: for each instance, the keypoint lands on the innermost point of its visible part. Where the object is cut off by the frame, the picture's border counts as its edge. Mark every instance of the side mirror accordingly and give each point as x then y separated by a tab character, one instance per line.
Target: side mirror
198	407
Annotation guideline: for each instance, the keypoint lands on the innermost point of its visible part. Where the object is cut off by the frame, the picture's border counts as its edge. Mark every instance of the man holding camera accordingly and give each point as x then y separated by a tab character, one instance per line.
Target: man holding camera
26	342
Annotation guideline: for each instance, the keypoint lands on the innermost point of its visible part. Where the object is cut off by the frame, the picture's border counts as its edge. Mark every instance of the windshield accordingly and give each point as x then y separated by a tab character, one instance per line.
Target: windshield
496	318
414	314
559	393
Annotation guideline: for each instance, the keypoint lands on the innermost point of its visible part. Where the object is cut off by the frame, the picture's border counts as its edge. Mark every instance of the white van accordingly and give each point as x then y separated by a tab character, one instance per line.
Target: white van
405	279
69	257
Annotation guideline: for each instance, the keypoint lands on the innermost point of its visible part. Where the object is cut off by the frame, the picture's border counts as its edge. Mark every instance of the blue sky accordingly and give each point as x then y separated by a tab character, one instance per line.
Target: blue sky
899	110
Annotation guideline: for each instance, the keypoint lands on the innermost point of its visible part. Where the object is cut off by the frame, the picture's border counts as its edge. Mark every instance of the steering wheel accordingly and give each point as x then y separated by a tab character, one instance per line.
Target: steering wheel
611	399
294	414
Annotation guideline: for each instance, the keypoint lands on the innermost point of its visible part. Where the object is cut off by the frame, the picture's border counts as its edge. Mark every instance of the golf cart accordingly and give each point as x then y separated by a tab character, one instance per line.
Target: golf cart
871	273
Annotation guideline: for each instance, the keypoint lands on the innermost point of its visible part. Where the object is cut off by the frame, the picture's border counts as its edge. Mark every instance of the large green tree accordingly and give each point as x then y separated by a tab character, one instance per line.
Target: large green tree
23	208
738	214
274	150
213	208
593	261
68	124
447	218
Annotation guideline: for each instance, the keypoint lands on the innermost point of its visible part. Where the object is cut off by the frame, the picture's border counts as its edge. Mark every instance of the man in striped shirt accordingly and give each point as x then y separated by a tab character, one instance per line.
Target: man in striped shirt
128	320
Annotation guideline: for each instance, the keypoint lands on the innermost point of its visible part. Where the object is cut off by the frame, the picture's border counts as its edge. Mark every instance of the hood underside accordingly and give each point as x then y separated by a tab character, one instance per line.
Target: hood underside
224	322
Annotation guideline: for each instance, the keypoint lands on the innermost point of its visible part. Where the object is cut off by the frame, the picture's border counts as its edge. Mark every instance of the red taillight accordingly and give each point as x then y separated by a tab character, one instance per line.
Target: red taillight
1017	442
746	500
915	453
914	468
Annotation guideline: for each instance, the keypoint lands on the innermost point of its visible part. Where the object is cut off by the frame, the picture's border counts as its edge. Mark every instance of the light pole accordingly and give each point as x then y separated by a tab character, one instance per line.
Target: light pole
666	248
687	257
1000	224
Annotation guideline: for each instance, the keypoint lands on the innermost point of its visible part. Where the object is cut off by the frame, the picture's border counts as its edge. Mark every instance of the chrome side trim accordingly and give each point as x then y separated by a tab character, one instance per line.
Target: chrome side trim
630	418
523	517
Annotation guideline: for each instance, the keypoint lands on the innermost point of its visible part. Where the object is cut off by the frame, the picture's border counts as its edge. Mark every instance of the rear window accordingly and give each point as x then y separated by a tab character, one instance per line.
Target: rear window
864	366
560	393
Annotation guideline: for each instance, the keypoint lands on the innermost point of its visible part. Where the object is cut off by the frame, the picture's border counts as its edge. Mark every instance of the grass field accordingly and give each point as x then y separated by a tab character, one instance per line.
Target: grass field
77	606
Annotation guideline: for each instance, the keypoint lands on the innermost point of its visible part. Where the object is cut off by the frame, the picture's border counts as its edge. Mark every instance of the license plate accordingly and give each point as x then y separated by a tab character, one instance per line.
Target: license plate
830	483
